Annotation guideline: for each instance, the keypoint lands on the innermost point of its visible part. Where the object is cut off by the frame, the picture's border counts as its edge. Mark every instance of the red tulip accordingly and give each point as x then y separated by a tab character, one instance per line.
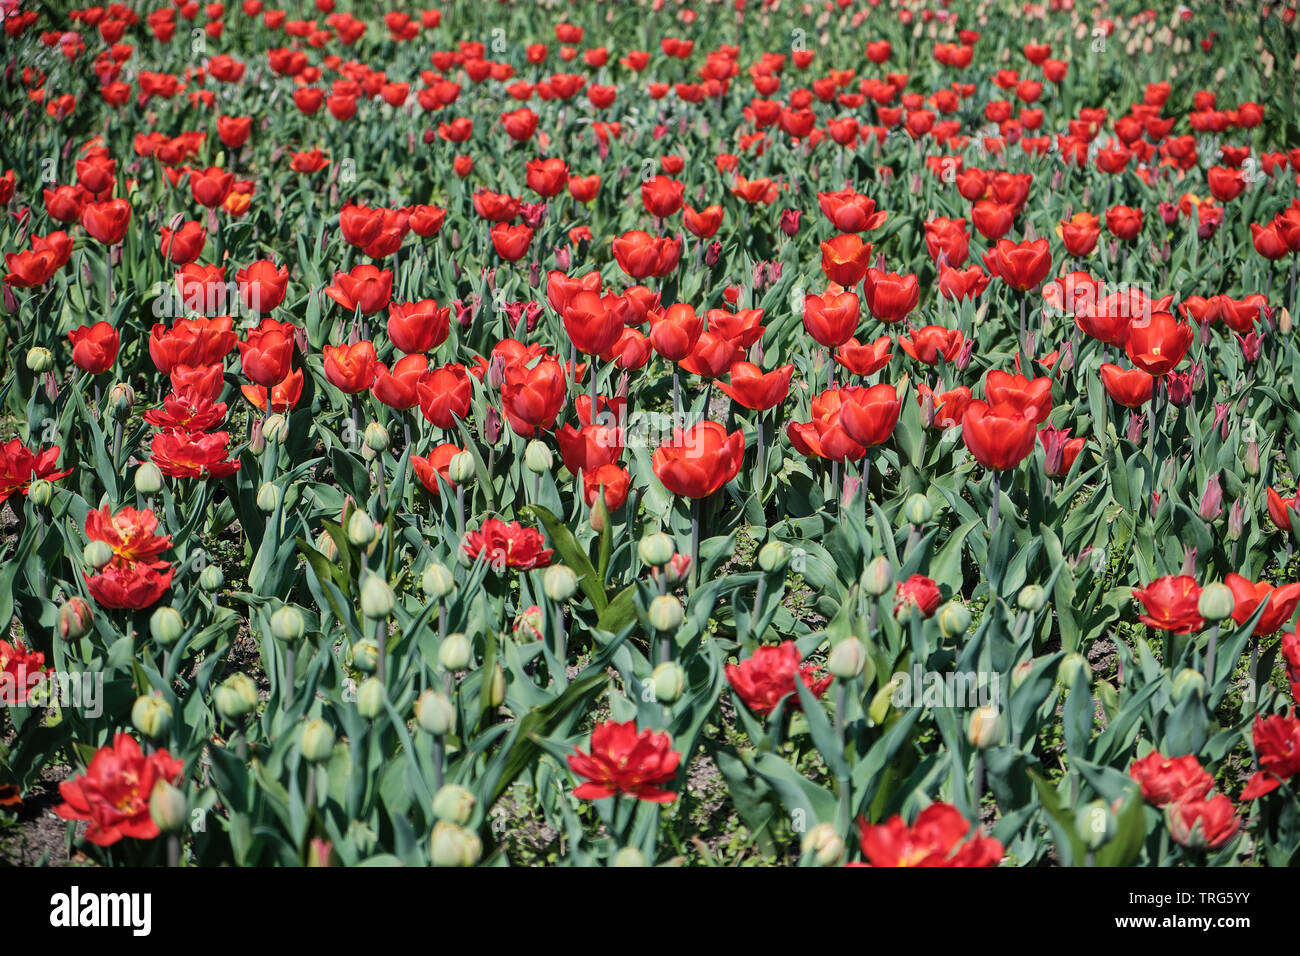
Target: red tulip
1171	604
890	297
831	318
418	327
767	677
869	415
623	761
999	436
366	288
398	389
1281	602
756	390
1158	345
1022	266
845	259
106	221
266	353
699	460
94	347
444	395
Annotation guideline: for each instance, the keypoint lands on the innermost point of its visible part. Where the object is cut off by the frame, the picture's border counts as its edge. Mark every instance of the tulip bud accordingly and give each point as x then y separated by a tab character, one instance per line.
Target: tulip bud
1031	598
559	582
211	579
166	626
316	740
847	658
880	704
268	497
287	625
365	655
1284	323
361	528
437	581
256	440
668	680
1211	499
451	845
1188	682
1095	825
656	549
39	360
1074	667
235	696
598	516
985	727
74	619
455	653
496	691
377	597
824	844
666	613
376	437
371	698
275	428
918	509
954	620
1020	673
121	398
773	556
1236	519
435	713
40	492
97	553
629	856
148	479
454	804
461	468
327	547
678	566
1216	602
878	577
152	716
168	807
538	458
1250	459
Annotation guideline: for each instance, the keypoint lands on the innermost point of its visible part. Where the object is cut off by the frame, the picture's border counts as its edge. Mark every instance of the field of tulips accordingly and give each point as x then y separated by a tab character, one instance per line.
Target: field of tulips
656	432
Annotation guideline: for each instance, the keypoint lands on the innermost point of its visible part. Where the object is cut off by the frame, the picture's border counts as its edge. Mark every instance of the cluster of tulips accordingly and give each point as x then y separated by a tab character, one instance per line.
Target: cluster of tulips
640	434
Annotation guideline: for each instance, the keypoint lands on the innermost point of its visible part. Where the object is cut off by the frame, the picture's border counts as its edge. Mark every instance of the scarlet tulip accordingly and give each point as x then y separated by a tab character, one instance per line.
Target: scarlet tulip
699	460
1171	604
94	348
418	327
444	395
999	436
365	288
756	390
845	259
831	318
1022	266
890	297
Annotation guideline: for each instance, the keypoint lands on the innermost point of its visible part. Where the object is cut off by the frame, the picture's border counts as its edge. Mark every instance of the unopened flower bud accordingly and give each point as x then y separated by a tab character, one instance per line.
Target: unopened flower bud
954	620
168	807
166	626
152	716
666	613
148	479
559	582
878	578
773	556
824	844
74	619
377	597
121	398
847	658
268	497
434	713
365	655
287	625
678	566
97	553
40	492
629	856
39	360
1188	682
538	458
668	680
1284	323
454	804
1020	673
371	698
1031	598
656	549
437	581
918	509
496	689
1095	825
1236	519
1250	458
316	740
361	528
235	696
1074	667
455	653
1216	602
376	437
211	579
985	727
451	845
461	468
275	428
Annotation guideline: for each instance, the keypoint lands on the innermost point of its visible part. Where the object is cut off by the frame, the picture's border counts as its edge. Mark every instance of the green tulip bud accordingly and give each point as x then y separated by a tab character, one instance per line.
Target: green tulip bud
437	581
75	616
211	579
917	509
451	845
1074	667
656	549
1095	824
984	729
268	497
39	360
365	655
287	625
455	653
823	844
666	613
235	696
166	626
316	740
377	597
454	804
1216	602
326	545
152	716
1031	598
97	554
847	659
40	492
773	556
880	705
121	399
461	467
496	690
275	428
435	713
168	808
628	856
148	479
559	582
954	620
1188	682
376	437
668	681
879	577
538	458
361	528
371	698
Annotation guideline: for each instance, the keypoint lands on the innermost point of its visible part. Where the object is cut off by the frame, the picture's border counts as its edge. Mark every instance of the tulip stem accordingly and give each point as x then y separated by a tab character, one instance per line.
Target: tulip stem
695	541
1210	655
288	678
1024	332
762	458
381	628
997	495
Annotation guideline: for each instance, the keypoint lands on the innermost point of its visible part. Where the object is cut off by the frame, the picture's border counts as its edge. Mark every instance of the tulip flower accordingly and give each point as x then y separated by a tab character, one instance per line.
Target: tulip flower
625	761
94	348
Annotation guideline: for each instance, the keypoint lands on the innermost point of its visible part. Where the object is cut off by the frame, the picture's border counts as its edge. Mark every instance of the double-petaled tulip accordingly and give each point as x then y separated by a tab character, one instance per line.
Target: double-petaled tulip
262	285
1032	396
1164	780
106	221
623	761
184	454
531	397
1124	222
444	395
397	389
211	186
1171	604
890	297
94	347
999	436
366	288
947	241
674	331
266	354
851	211
1248	596
1022	266
1277	744
511	545
511	241
699	460
642	255
417	327
831	318
20	466
751	387
927	343
868	415
845	259
1159	344
934	840
767	677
